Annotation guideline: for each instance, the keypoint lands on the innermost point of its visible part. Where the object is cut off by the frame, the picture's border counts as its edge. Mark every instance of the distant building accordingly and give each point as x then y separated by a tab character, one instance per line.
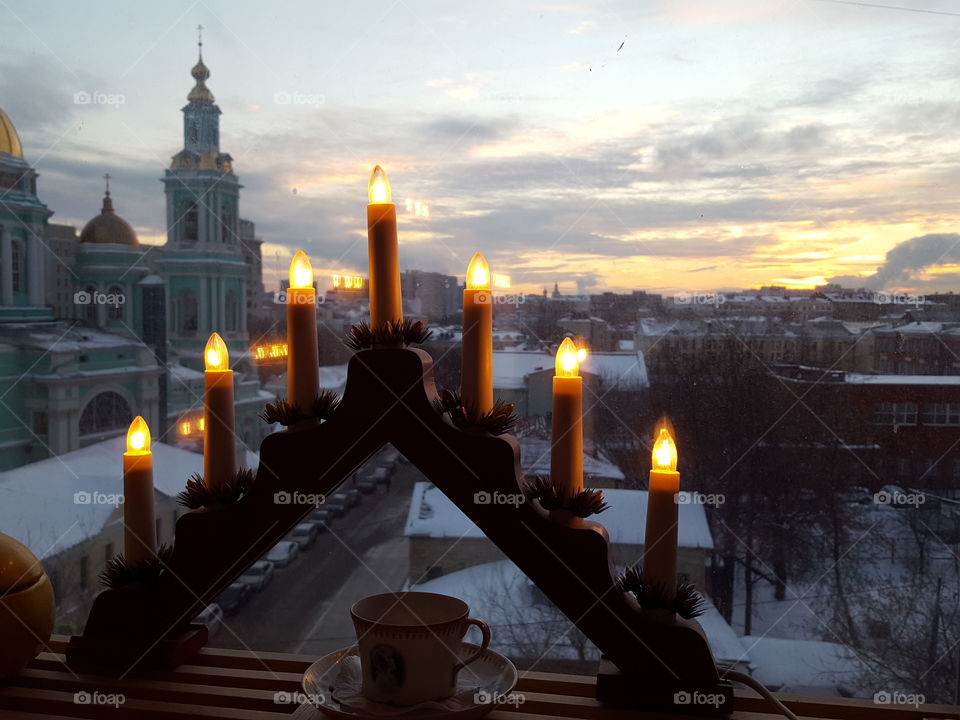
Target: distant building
918	348
595	332
430	295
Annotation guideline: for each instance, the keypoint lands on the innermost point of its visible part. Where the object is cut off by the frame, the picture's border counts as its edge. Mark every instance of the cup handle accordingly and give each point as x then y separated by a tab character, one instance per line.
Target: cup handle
485	631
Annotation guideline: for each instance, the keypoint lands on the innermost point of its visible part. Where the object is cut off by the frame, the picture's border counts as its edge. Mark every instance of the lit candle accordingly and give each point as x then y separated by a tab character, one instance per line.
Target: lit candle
385	301
566	453
476	376
303	361
139	525
219	461
660	542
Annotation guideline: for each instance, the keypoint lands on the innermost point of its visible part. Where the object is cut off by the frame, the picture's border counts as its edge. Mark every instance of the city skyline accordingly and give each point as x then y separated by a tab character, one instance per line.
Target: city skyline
602	147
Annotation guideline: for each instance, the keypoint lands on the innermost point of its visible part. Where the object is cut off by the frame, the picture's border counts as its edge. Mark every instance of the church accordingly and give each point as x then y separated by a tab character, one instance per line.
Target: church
97	328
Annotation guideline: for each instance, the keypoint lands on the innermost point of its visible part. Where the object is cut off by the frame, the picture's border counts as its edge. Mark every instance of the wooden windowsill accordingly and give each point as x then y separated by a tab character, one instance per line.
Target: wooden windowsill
241	686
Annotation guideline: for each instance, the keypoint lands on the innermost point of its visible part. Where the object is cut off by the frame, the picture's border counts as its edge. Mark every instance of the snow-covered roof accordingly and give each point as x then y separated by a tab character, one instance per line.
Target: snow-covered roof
333	377
511	367
524	623
535	458
432	514
60	336
806	666
862	379
182	372
625	345
37	504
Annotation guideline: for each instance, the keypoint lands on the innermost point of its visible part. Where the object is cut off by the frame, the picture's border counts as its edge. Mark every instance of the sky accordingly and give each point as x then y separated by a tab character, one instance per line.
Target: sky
684	145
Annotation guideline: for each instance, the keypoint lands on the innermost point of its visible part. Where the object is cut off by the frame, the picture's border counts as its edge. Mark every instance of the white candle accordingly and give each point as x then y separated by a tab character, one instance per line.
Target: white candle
566	452
219	461
660	541
476	368
386	304
303	362
139	523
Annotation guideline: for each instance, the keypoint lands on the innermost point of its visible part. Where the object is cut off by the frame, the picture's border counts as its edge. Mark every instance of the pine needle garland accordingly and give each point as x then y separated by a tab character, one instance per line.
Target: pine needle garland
387	334
687	602
197	494
584	504
498	421
286	413
119	572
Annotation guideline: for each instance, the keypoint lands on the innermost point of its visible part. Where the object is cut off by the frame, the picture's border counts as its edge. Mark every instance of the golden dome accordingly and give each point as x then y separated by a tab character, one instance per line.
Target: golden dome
9	140
108	227
200	92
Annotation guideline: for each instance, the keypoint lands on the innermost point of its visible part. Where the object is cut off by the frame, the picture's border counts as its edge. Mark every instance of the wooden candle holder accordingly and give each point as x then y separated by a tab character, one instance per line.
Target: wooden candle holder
389	398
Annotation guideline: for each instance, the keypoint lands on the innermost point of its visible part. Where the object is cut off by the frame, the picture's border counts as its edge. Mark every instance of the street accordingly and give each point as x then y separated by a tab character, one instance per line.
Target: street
306	608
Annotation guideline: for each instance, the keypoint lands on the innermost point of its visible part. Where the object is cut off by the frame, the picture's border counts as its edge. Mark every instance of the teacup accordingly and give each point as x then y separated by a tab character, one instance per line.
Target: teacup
409	645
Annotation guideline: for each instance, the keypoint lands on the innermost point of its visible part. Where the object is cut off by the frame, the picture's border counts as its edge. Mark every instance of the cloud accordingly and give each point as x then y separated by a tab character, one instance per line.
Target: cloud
584	27
907	258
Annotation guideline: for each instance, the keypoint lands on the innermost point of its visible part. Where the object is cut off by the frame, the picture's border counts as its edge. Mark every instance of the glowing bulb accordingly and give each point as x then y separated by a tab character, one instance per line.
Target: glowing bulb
581	354
664	452
568	364
138	437
379	188
215	355
478	273
301	272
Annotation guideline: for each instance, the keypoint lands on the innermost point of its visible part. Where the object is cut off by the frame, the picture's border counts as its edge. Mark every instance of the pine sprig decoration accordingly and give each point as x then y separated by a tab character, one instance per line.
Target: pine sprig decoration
286	413
389	333
197	494
687	602
584	504
119	572
498	421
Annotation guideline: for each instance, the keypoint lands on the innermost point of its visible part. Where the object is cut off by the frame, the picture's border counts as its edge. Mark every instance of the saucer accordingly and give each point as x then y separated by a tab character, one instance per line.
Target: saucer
483	685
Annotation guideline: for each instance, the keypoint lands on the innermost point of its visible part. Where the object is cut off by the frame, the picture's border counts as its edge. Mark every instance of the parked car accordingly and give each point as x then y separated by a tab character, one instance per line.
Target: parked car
380	475
337	505
212	617
234	598
353	498
258	575
367	485
304	535
283	553
321	518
